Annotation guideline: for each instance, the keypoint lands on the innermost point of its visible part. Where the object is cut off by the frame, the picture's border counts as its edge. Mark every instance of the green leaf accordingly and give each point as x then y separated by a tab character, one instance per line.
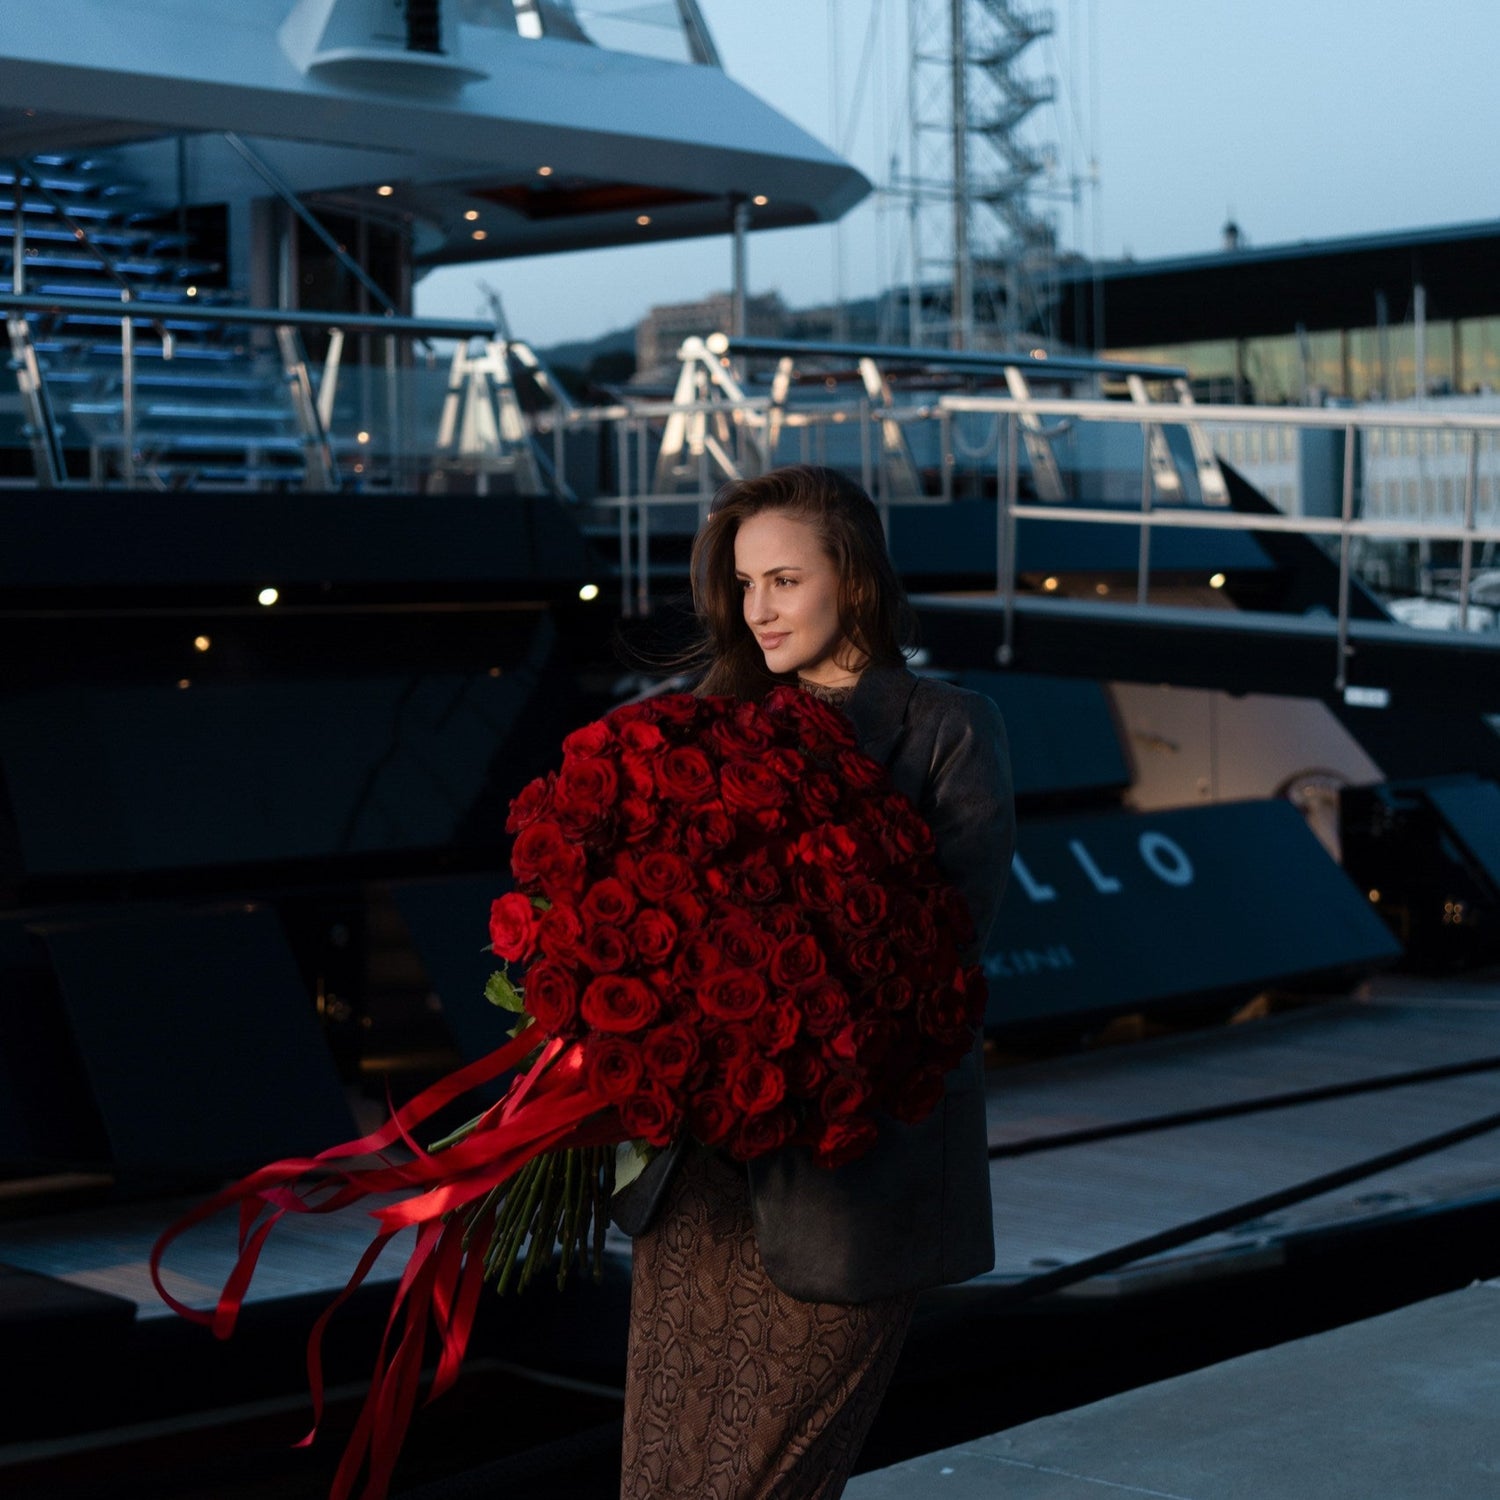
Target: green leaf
500	991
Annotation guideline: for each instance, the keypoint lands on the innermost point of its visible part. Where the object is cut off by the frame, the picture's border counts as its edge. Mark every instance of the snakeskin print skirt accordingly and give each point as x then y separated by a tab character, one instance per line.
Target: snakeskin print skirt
734	1390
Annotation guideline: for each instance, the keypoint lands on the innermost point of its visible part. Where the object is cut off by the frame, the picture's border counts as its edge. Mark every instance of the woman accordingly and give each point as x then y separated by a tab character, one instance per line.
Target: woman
769	1304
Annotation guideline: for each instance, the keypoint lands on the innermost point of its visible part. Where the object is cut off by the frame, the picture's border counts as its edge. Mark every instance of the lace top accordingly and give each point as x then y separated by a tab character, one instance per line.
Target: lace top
837	696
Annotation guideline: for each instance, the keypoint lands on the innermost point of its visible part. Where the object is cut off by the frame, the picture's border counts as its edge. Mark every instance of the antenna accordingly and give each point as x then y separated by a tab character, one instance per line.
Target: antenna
496	309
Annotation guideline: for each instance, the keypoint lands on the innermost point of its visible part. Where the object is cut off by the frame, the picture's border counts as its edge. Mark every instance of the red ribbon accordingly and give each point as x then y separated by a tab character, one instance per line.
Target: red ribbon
546	1109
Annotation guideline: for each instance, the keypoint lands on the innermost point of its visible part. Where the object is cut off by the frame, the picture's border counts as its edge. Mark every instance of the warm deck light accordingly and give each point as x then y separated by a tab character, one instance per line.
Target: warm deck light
479	234
588	591
192	291
361	437
268	597
201	643
544	171
1050	584
760	200
1374	895
184	682
1101	589
385	190
471	214
643	219
1217	581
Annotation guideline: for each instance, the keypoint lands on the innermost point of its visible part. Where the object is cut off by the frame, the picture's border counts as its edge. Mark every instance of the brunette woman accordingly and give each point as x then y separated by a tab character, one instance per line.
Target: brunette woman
769	1303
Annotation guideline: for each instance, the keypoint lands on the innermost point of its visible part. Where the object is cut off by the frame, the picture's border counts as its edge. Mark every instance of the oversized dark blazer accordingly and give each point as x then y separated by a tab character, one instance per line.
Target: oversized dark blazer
914	1211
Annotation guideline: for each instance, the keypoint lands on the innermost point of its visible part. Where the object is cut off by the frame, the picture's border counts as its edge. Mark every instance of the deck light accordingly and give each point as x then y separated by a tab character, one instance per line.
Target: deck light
1101	589
760	200
1217	581
471	214
1050	584
268	597
588	591
385	190
544	171
201	643
361	436
184	682
1374	895
643	219
192	291
479	234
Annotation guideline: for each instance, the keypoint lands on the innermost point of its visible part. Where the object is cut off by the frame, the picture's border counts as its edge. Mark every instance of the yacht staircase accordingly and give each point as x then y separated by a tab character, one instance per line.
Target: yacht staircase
205	404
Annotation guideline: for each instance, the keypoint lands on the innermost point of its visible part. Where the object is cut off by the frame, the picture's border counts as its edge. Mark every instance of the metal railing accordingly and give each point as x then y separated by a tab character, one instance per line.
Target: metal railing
1346	526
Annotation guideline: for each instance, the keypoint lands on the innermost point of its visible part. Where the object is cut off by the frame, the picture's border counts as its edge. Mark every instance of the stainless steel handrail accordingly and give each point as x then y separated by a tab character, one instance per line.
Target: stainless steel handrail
1346	527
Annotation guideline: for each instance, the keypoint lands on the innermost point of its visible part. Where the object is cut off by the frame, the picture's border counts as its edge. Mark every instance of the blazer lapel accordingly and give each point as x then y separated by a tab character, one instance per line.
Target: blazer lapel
877	707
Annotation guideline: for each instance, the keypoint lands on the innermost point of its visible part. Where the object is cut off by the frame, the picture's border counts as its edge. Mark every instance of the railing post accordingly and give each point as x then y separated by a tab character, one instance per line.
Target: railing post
127	392
1341	676
1005	538
1466	547
1143	554
866	459
622	474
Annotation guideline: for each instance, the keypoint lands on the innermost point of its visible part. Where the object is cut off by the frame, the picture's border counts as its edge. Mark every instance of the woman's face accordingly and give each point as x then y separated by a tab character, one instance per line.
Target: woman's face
791	591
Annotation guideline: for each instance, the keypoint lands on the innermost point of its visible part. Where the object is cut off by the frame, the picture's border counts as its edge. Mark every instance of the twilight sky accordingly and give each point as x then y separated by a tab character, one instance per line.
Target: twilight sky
1305	119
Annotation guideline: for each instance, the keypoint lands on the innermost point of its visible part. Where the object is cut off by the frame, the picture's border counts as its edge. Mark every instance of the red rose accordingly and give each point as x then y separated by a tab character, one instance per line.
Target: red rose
781	922
824	1005
832	846
844	1094
864	905
903	832
612	1067
593	739
560	933
743	945
709	831
775	1027
804	1070
670	1052
756	1085
609	901
726	1045
912	927
711	1116
818	795
819	725
944	1013
606	950
796	960
858	772
586	792
659	874
513	927
544	856
697	960
638	818
684	774
676	710
636	777
874	1036
757	879
748	787
687	910
869	956
894	994
654	934
612	1003
551	997
533	801
843	1141
651	1115
640	738
763	1133
918	1094
817	888
733	995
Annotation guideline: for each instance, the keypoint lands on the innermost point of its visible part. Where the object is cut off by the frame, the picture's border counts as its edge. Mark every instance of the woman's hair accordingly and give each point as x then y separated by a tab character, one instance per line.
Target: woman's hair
874	615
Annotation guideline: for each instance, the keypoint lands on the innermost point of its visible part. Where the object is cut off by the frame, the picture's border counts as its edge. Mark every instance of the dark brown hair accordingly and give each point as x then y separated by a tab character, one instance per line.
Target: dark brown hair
874	615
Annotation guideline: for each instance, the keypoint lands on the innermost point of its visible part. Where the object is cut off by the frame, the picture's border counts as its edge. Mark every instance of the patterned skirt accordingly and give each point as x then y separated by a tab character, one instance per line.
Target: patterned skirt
734	1390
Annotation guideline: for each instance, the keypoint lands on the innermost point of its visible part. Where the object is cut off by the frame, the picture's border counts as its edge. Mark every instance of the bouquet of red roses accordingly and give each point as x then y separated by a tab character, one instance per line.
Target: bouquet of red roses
731	925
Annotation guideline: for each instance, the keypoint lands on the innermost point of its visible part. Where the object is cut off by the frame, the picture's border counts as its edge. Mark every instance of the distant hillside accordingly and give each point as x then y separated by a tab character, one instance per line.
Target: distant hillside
581	353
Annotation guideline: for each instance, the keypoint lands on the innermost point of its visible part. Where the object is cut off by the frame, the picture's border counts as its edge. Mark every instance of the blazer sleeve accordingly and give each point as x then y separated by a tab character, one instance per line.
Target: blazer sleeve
969	803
